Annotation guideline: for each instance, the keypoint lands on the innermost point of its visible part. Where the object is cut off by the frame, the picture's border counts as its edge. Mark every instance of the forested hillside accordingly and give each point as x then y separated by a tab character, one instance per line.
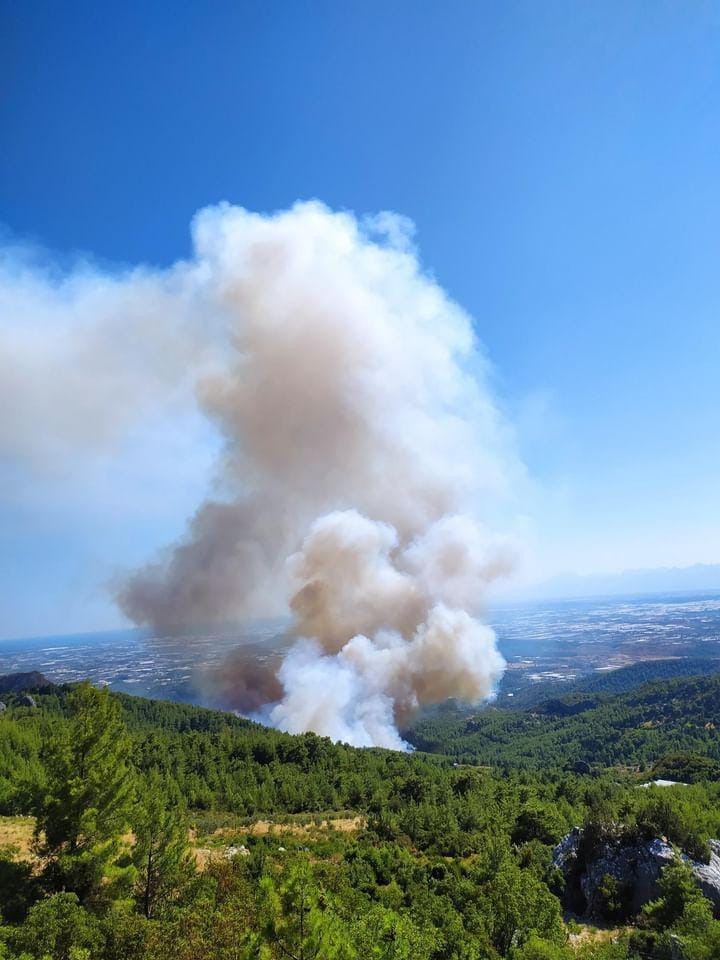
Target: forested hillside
633	729
613	682
153	836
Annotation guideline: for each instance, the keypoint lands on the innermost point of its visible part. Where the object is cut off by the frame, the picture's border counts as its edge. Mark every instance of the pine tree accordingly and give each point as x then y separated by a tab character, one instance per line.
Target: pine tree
297	921
90	789
161	854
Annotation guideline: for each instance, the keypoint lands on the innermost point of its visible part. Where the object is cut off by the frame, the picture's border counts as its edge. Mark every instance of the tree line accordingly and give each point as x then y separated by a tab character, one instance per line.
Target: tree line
453	861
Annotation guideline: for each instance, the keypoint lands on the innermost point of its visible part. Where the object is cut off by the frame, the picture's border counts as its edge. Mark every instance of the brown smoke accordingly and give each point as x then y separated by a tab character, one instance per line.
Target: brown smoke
214	574
363	461
344	386
242	682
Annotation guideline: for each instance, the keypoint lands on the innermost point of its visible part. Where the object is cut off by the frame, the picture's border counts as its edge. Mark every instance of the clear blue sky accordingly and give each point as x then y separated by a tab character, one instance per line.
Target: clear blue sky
561	161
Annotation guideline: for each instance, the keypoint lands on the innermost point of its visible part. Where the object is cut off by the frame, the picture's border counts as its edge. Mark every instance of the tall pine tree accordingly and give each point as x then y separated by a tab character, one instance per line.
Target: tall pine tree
161	854
90	790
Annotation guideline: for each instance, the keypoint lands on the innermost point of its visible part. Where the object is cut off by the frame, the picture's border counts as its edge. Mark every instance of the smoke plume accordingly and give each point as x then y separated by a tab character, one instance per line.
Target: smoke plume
364	463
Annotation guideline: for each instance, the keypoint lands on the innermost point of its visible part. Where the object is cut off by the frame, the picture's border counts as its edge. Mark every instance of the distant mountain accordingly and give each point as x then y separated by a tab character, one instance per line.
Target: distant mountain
698	577
20	682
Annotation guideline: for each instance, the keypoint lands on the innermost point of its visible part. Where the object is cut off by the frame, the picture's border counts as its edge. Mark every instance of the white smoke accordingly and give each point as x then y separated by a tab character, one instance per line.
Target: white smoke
385	642
86	355
364	461
359	695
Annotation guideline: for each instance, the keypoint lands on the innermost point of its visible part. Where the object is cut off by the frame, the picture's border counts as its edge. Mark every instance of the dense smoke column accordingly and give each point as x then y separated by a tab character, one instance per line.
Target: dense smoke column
360	441
363	466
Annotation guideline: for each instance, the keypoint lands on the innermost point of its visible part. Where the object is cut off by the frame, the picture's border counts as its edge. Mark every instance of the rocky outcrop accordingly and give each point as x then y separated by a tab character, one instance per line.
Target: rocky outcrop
708	876
620	876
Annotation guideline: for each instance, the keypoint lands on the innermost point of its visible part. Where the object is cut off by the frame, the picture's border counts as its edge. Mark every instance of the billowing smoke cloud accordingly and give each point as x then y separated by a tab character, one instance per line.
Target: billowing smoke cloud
363	466
389	626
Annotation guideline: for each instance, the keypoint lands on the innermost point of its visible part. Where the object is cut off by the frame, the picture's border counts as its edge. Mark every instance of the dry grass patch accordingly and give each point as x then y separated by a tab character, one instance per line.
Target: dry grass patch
16	833
261	828
203	856
214	845
594	935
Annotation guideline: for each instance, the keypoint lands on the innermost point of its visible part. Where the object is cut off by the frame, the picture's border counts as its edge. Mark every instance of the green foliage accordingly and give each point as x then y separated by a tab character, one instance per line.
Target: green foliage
686	768
537	949
678	891
21	772
635	728
680	921
615	682
673	815
160	854
90	787
538	822
614	896
454	864
17	886
60	929
297	920
516	906
379	933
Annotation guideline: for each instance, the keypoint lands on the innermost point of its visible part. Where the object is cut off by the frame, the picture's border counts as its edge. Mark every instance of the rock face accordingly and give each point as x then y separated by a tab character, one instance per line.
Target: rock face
708	876
627	871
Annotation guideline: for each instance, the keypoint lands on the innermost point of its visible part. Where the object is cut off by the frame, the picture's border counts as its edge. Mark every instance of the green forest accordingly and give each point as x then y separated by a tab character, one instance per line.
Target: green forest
634	728
143	843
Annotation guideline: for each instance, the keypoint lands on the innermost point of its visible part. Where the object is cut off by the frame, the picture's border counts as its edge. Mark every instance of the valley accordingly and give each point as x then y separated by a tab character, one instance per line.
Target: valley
546	645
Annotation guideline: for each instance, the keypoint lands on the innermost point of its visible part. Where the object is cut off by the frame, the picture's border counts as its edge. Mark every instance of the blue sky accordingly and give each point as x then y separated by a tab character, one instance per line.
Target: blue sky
561	162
